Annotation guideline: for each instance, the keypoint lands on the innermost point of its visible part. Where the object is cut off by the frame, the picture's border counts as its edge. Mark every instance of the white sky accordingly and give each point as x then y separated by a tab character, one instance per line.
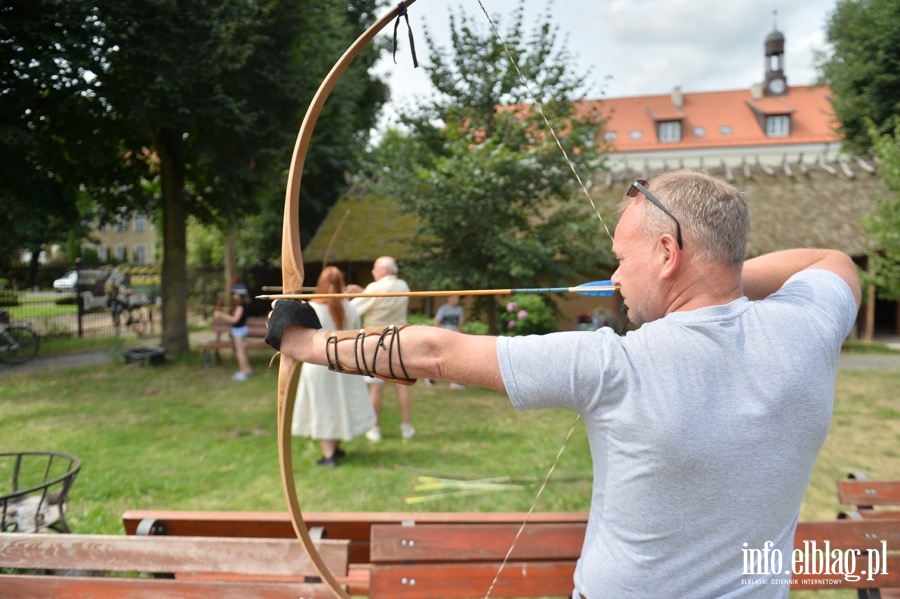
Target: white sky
637	47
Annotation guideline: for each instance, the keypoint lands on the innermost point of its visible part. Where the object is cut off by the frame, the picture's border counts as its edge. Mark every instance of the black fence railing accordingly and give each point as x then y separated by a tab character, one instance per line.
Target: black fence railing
109	301
87	302
60	314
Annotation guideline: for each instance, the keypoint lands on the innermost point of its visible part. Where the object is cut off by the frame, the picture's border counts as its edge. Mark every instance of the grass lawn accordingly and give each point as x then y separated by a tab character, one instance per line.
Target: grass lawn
183	437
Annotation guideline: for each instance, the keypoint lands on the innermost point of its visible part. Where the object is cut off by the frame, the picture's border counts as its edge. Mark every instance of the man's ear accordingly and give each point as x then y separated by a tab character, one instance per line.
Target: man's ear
669	255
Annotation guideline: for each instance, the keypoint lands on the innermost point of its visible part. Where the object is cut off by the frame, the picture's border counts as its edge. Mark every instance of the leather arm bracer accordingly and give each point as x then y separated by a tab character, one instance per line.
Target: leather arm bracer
388	341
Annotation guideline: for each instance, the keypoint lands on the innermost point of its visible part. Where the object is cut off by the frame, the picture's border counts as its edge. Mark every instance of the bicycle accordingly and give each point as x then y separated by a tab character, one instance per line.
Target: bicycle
18	343
129	314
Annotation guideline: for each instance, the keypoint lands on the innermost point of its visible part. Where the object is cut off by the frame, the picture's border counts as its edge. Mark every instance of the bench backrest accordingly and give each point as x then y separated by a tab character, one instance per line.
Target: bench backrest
836	550
463	560
867	496
194	562
410	562
353	526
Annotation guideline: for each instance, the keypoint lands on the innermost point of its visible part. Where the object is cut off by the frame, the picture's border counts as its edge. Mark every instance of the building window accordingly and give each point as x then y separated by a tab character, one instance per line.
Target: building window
140	223
670	131
699	132
119	252
778	126
140	253
103	252
636	134
725	129
610	136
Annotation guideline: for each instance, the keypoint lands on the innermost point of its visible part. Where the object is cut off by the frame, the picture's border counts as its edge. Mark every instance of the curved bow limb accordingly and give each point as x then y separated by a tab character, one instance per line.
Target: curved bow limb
292	277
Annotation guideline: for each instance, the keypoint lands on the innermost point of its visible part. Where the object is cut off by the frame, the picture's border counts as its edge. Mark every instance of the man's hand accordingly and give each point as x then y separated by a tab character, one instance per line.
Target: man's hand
289	313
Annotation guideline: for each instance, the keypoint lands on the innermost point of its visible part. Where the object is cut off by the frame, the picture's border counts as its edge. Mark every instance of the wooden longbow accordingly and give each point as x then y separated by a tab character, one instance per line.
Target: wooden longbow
292	281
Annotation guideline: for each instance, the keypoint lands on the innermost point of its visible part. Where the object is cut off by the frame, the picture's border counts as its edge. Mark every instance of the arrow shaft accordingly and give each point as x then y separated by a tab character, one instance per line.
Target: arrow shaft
308	296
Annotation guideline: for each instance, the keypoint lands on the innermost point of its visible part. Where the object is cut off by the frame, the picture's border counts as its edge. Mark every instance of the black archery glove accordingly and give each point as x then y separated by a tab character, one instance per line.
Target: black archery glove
289	313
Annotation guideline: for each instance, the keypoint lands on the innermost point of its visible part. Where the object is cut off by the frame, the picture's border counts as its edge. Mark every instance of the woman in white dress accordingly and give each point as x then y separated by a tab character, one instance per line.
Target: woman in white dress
332	407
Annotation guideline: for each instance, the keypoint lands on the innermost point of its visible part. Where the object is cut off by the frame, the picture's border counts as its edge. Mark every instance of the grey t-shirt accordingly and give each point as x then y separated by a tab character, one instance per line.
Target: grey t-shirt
703	427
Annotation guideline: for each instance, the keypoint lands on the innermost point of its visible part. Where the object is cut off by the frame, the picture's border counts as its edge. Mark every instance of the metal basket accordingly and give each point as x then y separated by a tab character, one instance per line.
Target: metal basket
39	494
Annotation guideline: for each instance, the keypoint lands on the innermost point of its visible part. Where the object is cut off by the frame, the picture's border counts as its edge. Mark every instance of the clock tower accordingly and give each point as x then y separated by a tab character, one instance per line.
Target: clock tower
775	83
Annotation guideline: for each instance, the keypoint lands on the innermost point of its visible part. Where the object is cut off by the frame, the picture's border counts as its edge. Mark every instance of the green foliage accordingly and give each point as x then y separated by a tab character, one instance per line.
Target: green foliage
45	121
863	69
529	315
9	297
883	224
475	327
420	319
176	108
495	200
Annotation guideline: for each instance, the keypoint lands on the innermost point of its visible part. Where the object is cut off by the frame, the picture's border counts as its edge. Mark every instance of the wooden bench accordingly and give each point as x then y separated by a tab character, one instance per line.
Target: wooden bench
355	527
151	567
866	545
256	339
427	561
410	562
867	496
457	555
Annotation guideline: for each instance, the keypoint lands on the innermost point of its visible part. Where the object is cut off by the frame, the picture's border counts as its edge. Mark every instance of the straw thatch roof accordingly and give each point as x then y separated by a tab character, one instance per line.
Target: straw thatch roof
793	205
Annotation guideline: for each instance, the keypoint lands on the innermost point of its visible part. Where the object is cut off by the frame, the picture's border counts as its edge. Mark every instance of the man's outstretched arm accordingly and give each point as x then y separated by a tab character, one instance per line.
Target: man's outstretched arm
425	352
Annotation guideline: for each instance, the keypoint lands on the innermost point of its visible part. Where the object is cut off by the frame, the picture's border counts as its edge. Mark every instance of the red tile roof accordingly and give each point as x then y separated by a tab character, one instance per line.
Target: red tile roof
720	119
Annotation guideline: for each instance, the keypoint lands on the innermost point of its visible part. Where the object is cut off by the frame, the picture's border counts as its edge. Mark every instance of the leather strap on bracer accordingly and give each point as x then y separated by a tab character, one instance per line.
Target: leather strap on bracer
388	340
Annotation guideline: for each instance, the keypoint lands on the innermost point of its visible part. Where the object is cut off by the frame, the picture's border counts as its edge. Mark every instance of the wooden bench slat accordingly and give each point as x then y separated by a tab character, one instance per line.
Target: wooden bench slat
837	581
464	581
868	492
476	542
85	587
256	334
355	526
187	555
850	534
223	521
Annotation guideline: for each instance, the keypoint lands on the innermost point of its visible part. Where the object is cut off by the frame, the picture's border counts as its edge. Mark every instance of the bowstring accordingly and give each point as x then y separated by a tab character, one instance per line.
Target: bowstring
540	109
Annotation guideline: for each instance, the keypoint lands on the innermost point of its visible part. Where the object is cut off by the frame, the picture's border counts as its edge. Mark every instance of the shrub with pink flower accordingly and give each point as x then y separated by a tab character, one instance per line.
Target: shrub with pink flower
529	315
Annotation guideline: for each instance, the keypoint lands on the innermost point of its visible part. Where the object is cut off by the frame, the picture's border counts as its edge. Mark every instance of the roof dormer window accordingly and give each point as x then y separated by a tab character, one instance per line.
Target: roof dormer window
778	125
669	131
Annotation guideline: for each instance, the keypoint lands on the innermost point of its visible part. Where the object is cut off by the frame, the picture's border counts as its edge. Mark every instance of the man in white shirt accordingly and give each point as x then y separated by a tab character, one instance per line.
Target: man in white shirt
383	311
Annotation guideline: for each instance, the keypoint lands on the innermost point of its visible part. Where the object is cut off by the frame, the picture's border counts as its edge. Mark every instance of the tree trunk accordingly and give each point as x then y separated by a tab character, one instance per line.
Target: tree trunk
168	146
231	274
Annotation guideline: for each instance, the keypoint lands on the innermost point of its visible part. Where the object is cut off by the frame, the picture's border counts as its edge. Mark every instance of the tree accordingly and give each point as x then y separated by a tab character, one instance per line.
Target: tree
863	68
45	115
491	190
883	224
172	108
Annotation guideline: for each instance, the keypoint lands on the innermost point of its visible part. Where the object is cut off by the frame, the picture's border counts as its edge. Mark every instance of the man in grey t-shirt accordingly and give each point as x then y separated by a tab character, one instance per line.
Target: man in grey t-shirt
704	423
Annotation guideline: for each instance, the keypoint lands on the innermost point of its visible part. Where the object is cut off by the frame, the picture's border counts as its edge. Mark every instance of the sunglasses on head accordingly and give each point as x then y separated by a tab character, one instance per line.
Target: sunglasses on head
640	186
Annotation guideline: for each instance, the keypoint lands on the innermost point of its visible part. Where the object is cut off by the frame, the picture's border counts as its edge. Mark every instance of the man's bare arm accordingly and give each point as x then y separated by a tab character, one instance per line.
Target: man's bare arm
426	352
764	275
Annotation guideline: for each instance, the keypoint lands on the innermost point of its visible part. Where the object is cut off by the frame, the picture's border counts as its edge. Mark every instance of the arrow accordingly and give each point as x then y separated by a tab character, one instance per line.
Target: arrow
594	288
